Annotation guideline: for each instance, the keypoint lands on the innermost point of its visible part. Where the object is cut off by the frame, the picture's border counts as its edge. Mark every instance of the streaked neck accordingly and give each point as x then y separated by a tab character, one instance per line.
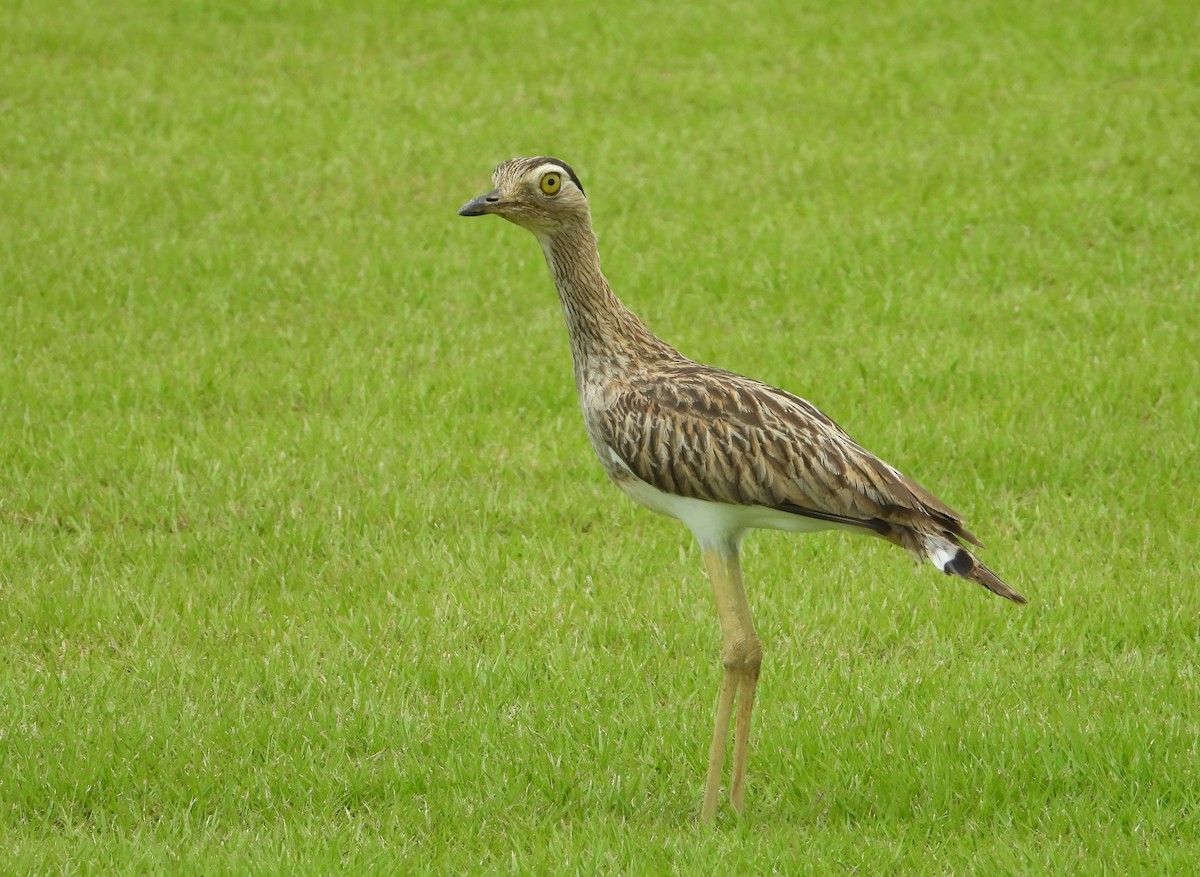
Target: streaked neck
604	333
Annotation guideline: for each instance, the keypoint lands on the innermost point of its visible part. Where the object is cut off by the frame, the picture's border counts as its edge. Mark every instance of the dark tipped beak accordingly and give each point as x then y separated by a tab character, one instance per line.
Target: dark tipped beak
481	205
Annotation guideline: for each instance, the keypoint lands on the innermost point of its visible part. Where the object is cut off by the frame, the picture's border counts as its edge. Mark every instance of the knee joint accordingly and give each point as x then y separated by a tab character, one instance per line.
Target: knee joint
744	656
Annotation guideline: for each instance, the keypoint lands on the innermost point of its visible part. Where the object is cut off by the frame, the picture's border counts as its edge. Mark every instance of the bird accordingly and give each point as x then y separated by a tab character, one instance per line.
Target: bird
722	453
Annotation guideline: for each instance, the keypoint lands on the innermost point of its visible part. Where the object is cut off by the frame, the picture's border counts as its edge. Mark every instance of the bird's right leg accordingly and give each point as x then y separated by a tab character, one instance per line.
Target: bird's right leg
741	658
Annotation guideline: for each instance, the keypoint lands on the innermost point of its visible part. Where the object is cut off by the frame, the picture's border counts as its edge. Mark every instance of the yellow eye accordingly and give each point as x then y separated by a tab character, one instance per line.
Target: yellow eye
551	183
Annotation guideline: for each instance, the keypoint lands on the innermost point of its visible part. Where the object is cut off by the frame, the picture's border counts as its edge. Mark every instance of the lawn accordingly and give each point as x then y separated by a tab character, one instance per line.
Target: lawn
305	563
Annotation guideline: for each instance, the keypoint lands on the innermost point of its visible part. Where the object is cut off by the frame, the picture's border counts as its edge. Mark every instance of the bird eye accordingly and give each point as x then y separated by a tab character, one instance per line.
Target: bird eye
551	183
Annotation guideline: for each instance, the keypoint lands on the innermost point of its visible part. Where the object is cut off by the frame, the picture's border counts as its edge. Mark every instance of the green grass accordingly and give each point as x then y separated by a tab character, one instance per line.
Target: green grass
305	566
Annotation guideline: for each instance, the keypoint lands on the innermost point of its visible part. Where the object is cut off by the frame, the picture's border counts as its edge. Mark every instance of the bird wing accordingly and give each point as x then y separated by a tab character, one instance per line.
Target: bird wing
700	432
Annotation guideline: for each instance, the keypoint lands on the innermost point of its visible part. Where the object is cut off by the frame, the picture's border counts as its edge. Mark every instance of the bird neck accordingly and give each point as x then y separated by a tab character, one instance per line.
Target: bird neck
605	334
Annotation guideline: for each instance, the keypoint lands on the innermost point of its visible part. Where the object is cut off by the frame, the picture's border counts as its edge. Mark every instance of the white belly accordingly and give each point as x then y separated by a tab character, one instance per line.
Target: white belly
716	523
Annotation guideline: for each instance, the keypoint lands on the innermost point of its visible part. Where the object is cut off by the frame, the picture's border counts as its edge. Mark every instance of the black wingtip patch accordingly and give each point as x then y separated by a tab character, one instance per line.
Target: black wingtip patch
959	565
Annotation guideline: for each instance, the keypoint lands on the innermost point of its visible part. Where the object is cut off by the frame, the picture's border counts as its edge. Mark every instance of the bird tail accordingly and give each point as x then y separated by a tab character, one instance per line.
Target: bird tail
954	560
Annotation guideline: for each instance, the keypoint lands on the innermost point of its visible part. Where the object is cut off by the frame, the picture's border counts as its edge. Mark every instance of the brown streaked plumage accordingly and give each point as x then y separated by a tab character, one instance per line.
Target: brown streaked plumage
721	452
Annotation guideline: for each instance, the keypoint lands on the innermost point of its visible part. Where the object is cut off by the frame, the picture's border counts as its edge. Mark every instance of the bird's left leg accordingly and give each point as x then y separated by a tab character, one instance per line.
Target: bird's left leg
742	658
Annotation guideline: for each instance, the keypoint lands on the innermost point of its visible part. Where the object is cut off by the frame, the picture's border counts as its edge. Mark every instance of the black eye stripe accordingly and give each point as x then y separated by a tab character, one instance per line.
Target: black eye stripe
560	167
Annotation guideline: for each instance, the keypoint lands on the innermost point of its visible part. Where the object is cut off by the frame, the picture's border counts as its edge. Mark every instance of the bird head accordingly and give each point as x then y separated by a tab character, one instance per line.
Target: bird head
540	194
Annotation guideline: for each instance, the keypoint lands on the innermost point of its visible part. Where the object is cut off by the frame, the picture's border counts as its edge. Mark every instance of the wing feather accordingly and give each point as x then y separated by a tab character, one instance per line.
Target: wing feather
714	435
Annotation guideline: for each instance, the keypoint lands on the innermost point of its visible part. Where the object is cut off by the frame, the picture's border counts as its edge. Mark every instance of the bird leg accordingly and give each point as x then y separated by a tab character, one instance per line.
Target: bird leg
741	658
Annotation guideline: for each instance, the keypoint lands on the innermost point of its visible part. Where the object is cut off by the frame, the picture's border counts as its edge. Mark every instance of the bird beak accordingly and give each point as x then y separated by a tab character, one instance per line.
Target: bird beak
482	205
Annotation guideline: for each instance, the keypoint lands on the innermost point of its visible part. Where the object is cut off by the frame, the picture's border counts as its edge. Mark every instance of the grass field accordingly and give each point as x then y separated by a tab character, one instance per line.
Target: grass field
305	565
